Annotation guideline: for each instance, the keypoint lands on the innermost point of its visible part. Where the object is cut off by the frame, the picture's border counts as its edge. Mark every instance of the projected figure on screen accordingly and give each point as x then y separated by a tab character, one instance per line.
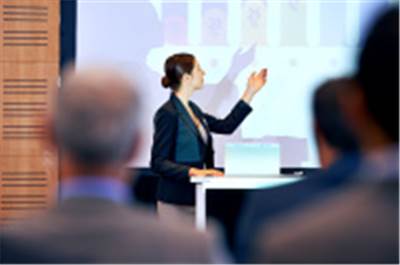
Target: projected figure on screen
219	98
254	26
293	23
174	17
214	23
214	96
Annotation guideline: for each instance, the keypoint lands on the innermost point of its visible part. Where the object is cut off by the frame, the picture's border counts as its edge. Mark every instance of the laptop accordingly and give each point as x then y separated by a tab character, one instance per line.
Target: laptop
252	160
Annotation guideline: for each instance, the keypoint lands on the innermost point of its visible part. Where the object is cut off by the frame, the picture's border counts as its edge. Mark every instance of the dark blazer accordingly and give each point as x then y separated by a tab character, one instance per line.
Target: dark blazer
178	146
97	230
262	205
357	224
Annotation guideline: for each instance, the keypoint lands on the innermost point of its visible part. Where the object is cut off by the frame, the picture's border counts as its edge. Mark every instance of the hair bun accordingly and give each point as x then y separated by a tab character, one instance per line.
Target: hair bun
165	82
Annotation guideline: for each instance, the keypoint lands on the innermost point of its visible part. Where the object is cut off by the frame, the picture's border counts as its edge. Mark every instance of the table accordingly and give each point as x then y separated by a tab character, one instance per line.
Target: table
232	182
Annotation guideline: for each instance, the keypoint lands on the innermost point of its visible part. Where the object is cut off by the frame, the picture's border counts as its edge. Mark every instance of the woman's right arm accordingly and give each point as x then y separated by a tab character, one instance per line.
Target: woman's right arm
163	148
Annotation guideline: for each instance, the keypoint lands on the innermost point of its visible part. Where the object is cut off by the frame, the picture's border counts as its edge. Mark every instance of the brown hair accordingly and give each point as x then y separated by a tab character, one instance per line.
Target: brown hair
175	67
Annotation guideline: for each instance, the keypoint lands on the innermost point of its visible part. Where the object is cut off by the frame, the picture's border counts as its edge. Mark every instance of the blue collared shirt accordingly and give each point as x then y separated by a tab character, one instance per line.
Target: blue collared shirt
103	187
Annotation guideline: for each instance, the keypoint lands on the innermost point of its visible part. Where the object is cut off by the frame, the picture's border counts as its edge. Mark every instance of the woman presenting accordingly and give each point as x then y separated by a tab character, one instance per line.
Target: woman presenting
182	143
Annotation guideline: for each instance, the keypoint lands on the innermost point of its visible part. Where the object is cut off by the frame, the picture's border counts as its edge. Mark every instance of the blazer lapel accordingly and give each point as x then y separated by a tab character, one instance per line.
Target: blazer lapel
184	115
202	119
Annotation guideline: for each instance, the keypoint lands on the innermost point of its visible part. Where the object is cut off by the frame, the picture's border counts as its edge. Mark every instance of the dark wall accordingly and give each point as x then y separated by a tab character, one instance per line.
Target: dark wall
68	32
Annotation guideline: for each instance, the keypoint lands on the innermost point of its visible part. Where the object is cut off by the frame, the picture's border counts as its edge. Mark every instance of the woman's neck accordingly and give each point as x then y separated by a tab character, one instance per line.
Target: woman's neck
184	95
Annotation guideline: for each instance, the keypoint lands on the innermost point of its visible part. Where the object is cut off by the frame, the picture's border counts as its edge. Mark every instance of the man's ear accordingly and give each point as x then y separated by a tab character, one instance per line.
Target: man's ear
326	153
353	106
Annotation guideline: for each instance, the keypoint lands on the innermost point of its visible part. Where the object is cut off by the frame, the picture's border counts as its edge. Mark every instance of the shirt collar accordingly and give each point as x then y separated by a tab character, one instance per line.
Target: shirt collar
103	187
382	163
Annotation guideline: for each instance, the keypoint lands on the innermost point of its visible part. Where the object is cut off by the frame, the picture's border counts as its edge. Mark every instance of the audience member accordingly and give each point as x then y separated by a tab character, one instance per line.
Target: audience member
95	126
338	155
332	133
360	222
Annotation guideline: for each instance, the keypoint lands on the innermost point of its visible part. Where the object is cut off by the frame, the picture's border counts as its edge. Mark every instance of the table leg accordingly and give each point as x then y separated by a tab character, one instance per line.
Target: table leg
200	207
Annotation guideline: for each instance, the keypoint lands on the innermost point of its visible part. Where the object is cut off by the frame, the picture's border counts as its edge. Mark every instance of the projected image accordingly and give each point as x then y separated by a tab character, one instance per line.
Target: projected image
302	43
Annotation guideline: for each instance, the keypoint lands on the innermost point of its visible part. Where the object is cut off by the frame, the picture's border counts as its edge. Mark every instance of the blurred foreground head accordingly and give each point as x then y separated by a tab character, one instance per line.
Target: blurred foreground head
332	131
378	73
96	117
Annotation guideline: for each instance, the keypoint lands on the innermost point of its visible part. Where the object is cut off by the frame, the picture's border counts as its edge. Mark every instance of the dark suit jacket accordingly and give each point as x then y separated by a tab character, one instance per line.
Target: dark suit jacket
94	230
357	224
262	205
177	146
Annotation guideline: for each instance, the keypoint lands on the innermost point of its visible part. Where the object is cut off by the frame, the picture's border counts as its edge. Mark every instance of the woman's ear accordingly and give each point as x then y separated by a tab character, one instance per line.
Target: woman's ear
186	78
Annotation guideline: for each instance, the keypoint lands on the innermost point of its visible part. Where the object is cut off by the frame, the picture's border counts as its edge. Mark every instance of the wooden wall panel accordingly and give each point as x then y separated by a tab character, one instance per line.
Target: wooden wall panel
29	68
28	184
28	89
1	110
1	32
31	30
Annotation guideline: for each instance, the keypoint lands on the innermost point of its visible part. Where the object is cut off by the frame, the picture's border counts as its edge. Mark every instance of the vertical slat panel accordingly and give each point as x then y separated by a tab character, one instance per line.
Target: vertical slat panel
29	67
27	90
31	30
28	185
1	34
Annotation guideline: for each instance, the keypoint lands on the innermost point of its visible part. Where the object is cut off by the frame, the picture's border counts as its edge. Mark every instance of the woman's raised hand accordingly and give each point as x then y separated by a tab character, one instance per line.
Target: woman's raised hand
254	84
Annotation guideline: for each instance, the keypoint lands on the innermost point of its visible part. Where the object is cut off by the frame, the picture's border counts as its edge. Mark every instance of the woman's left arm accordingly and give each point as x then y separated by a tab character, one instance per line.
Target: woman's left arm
230	122
240	111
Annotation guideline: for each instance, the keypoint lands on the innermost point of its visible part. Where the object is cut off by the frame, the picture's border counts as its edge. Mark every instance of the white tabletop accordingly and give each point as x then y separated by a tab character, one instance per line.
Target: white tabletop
244	182
233	182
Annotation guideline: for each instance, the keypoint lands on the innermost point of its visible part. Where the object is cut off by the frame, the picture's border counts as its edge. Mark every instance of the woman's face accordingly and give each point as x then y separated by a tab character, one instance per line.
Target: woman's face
197	76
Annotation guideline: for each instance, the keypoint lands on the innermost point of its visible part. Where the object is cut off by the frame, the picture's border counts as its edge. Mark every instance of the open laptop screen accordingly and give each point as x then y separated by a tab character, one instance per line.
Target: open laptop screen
252	159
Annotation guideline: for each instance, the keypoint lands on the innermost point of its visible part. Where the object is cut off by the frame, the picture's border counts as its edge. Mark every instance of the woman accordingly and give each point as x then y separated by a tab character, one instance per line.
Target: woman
182	144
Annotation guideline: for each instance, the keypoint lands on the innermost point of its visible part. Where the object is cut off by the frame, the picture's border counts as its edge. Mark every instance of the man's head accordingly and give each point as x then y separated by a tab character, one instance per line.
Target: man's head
372	105
332	132
378	73
96	118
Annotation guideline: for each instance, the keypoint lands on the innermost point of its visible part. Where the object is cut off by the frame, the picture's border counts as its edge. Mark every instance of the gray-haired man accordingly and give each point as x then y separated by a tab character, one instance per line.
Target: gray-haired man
95	125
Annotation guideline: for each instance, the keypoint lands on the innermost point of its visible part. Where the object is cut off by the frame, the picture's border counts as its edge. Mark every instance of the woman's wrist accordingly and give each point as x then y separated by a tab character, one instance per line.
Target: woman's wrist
247	96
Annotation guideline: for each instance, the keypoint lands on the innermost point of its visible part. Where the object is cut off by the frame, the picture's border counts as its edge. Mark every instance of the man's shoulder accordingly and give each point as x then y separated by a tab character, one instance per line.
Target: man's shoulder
181	230
91	214
133	227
